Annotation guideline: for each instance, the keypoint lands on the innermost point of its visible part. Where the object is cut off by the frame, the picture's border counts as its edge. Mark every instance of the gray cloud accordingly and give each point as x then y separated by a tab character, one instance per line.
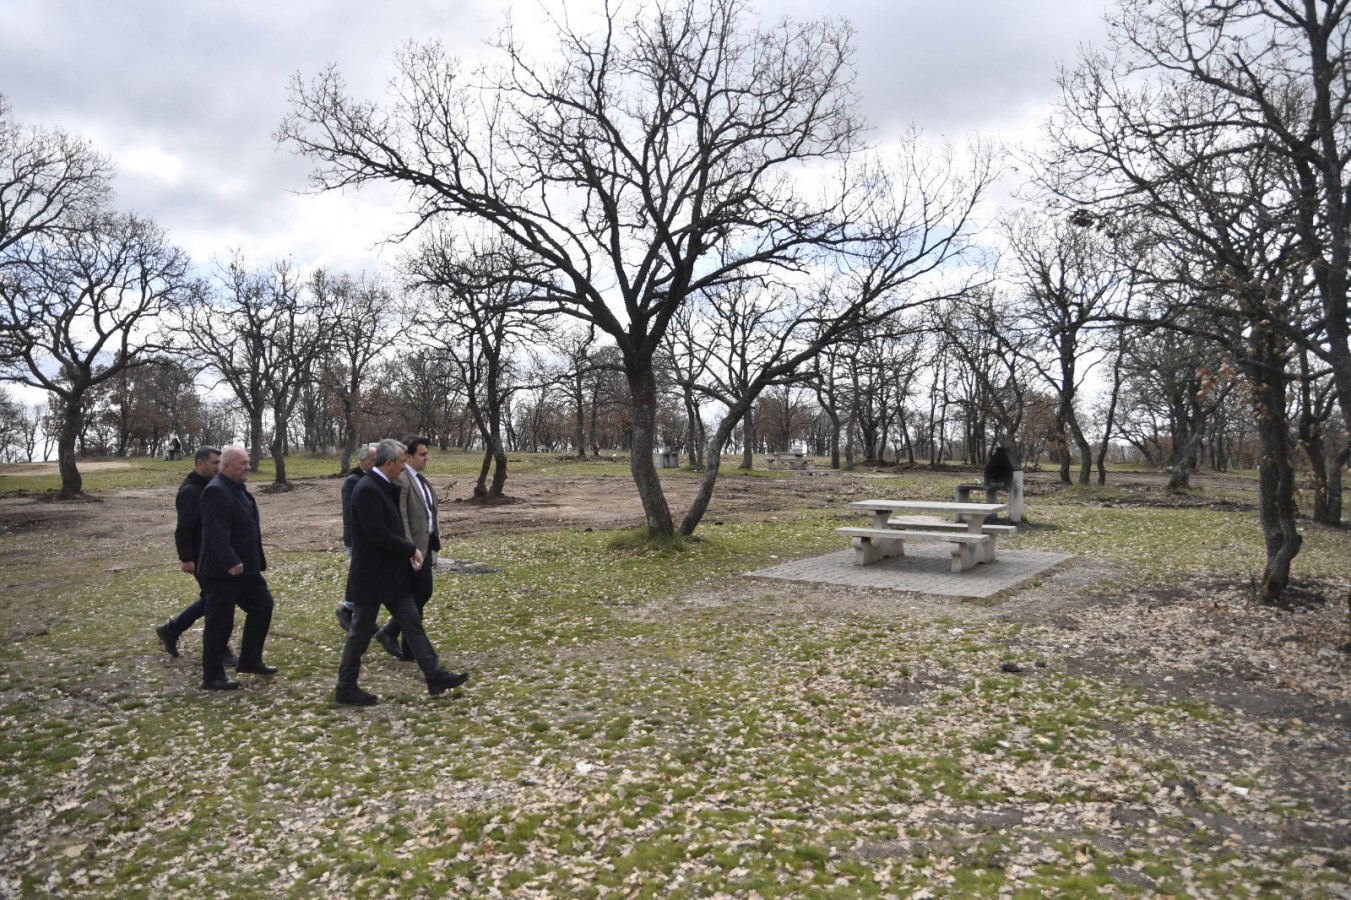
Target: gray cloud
184	96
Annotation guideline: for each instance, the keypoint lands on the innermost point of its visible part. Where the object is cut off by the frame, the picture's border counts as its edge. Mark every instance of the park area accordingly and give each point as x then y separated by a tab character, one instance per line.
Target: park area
654	720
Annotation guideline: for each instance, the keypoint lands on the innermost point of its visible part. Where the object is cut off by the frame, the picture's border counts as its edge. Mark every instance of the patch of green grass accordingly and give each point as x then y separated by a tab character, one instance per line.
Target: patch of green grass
628	726
643	540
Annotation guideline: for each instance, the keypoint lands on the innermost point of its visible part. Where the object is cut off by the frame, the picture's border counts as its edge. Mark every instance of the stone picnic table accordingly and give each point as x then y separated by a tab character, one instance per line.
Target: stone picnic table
972	540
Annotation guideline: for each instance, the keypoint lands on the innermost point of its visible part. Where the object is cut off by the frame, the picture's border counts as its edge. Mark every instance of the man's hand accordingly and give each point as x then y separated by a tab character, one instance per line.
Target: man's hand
416	560
188	567
236	569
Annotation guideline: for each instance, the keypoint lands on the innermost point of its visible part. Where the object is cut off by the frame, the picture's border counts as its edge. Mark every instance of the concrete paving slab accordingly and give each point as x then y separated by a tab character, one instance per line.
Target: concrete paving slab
925	569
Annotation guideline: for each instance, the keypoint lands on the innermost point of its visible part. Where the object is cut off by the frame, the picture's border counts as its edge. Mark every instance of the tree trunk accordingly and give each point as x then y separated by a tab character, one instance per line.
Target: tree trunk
1313	444
1313	439
643	388
1276	474
72	483
494	460
748	449
694	427
496	489
255	437
713	451
1110	420
834	437
278	448
1085	452
1335	486
1180	477
349	450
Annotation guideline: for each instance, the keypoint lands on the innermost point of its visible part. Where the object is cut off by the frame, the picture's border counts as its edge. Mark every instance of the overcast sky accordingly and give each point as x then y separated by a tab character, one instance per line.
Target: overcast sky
184	96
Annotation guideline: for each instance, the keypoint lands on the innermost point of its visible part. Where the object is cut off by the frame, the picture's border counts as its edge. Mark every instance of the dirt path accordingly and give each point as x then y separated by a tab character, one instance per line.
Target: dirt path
133	527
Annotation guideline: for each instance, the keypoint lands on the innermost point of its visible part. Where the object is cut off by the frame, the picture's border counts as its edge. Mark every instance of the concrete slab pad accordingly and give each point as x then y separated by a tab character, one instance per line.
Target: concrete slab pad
925	569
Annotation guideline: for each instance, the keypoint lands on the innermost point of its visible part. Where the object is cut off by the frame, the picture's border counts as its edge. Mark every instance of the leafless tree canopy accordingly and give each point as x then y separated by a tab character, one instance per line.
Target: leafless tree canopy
661	156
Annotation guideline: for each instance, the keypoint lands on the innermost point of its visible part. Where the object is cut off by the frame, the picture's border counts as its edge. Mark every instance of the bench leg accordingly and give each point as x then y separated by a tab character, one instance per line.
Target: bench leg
963	557
868	551
987	552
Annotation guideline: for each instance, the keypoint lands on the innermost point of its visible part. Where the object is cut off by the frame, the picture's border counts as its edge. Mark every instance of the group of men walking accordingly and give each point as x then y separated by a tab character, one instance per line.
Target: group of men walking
392	532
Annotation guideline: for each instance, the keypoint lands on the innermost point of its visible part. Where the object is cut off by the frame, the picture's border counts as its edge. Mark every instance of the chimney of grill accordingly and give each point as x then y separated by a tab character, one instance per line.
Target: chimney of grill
1001	465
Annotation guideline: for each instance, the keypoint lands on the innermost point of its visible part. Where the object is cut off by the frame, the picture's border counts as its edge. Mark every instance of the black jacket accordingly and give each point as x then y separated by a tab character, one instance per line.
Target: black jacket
349	485
188	502
380	569
230	531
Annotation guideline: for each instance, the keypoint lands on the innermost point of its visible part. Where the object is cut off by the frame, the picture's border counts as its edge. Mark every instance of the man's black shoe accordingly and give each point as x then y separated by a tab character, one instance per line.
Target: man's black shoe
257	669
167	639
354	696
442	681
230	658
220	684
344	614
390	643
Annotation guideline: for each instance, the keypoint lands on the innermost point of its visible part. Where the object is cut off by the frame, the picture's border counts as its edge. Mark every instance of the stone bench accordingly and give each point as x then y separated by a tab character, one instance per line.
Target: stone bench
789	461
872	544
950	526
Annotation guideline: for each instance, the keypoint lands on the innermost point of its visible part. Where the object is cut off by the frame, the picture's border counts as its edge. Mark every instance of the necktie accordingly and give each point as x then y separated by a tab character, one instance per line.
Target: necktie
429	500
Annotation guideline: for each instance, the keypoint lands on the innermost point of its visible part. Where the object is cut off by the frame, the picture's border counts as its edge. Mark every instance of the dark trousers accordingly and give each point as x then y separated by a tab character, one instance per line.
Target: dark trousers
422	592
194	611
222	595
405	610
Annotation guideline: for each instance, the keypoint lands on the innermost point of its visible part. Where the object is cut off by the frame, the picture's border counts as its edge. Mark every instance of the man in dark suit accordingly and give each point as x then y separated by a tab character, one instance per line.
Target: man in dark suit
417	507
231	568
384	563
188	541
365	459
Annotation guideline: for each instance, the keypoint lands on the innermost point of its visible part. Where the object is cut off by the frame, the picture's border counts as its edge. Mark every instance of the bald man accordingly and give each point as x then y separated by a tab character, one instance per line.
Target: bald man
231	568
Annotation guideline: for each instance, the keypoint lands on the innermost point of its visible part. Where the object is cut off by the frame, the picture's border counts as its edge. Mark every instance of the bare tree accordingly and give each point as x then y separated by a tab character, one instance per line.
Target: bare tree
1280	71
1069	280
657	158
49	182
299	329
687	359
1221	200
358	311
468	303
11	427
261	336
985	356
568	360
1323	438
83	307
830	380
428	395
143	406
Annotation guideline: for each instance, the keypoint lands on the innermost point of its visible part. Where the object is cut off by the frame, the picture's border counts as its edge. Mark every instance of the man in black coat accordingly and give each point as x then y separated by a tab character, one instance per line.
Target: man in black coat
231	568
384	562
188	541
365	459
